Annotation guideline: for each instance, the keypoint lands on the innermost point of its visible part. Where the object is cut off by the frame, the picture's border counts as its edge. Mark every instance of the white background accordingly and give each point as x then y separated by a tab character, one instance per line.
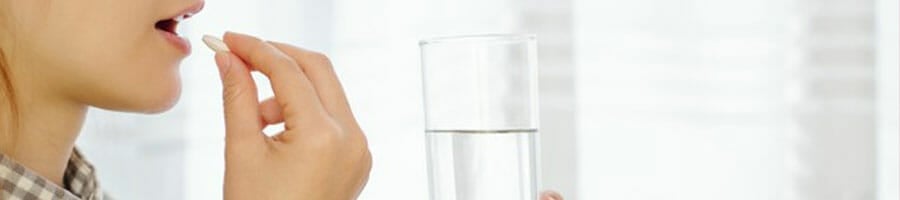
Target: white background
642	99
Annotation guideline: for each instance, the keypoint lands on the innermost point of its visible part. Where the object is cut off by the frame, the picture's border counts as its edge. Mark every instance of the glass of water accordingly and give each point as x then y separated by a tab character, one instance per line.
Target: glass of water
481	117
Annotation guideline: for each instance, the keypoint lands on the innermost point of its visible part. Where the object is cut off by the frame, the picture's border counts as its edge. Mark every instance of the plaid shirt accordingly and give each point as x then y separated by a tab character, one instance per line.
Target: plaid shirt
18	182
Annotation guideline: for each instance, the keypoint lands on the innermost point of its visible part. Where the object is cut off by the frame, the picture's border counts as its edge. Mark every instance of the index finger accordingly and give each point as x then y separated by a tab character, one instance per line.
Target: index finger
293	90
321	74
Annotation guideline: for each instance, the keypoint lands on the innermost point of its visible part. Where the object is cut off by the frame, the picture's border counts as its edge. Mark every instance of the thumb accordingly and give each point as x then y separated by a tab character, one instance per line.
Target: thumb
239	99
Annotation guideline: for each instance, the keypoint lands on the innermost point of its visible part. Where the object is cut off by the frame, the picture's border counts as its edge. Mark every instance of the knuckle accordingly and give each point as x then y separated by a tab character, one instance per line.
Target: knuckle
284	65
271	58
280	61
321	60
324	60
232	91
319	56
327	136
257	51
359	144
326	143
229	81
365	160
364	156
360	140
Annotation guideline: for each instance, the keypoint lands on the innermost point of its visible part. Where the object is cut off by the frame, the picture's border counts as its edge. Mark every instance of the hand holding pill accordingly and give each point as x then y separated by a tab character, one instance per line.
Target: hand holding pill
321	154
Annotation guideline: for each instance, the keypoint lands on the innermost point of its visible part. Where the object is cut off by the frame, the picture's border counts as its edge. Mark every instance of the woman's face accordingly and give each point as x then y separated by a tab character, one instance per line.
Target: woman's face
113	54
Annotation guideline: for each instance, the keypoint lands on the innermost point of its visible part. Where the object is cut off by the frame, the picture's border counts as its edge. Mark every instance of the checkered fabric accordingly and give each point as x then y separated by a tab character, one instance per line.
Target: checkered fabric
18	182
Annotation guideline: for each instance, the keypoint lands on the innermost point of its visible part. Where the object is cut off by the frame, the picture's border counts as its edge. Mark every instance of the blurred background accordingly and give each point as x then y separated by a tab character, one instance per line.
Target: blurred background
640	99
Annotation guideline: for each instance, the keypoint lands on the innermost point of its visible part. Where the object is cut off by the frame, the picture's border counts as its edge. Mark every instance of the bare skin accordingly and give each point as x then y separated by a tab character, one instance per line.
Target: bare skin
62	60
319	126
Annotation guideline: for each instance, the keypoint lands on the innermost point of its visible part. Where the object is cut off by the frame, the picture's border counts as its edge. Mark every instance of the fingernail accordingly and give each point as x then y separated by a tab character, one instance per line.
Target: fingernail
232	33
229	34
223	60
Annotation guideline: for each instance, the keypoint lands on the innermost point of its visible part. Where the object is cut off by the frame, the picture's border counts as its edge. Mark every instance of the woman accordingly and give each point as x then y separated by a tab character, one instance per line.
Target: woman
57	58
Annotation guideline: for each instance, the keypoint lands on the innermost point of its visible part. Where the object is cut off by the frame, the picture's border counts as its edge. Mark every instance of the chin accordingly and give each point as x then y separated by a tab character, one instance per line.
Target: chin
159	102
146	103
159	106
146	99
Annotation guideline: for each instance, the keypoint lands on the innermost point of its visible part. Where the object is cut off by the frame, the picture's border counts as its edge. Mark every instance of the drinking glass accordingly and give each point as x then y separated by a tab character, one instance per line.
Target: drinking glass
481	116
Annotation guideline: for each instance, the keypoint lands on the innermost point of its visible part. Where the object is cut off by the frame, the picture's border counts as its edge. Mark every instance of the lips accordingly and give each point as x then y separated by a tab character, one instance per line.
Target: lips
168	26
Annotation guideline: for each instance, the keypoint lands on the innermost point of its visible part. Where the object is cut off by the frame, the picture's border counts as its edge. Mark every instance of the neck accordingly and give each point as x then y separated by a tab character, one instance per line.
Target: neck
45	136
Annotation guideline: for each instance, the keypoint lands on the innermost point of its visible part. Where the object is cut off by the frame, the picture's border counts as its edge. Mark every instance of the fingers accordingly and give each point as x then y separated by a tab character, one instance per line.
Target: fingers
270	112
320	71
550	195
239	98
293	91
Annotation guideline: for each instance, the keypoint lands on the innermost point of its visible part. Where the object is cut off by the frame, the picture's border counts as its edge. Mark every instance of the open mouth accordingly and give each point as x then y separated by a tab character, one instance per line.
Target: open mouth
168	27
171	25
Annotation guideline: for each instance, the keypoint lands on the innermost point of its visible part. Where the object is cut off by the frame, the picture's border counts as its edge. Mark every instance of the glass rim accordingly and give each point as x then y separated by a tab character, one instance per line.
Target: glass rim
479	37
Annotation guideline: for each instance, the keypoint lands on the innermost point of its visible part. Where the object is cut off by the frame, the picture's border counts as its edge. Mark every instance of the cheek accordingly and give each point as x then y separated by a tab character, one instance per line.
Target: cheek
120	69
105	58
118	75
147	91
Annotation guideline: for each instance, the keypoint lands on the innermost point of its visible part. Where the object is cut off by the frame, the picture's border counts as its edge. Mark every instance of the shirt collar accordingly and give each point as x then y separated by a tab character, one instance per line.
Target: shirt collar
19	182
